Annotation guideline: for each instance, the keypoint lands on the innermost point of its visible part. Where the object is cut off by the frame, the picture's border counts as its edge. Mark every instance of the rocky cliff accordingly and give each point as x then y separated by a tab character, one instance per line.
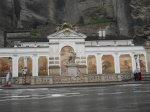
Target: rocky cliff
31	13
140	12
130	18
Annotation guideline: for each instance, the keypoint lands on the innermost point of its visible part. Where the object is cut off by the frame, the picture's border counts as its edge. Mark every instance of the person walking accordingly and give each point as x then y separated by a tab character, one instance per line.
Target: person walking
136	75
8	79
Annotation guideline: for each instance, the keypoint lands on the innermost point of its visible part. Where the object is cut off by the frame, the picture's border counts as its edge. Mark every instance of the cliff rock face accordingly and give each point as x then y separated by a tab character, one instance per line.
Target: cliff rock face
31	13
1	38
126	17
6	13
37	11
141	17
86	11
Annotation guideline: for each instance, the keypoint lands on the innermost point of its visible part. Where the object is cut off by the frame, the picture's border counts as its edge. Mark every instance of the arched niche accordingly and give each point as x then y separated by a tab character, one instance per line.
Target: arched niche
108	64
5	66
65	53
92	66
142	63
42	66
125	63
21	65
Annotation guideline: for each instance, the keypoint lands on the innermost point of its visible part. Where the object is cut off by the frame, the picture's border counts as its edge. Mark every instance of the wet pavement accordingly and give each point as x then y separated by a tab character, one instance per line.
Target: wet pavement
120	97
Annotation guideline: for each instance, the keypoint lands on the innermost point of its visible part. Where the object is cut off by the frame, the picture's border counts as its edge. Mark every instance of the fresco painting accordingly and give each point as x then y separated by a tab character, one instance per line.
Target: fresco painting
108	64
42	66
125	63
92	68
21	66
65	53
5	66
142	63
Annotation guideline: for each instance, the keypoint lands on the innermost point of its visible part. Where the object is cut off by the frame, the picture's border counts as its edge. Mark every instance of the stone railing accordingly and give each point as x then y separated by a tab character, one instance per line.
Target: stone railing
70	79
146	76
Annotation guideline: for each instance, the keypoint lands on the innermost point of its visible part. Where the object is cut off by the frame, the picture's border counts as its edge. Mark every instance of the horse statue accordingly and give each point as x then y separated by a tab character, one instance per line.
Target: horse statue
71	58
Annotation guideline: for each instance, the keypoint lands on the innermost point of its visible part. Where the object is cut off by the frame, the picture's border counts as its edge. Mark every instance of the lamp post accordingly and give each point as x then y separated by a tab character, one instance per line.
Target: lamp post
25	70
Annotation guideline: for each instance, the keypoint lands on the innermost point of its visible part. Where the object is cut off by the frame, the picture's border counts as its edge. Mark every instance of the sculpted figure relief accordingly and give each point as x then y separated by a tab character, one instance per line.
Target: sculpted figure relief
71	57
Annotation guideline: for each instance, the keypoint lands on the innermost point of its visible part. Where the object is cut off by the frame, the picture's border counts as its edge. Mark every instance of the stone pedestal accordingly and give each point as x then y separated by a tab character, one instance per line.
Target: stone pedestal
72	69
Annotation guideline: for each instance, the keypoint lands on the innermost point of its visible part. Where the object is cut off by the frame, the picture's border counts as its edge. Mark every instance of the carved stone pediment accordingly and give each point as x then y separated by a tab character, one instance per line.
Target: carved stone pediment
66	33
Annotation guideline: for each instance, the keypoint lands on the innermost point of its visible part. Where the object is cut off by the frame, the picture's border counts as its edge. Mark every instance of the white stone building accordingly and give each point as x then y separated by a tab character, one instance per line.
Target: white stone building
93	55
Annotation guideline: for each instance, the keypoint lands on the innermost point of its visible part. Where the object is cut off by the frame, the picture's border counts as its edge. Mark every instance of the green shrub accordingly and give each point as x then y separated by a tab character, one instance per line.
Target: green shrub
34	32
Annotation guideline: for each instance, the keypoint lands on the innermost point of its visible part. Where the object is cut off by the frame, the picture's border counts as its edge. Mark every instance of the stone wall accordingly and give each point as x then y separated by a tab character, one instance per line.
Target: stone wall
70	79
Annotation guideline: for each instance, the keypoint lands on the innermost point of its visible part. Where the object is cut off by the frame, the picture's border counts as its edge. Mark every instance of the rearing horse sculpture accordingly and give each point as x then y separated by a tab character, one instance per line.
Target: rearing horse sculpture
71	57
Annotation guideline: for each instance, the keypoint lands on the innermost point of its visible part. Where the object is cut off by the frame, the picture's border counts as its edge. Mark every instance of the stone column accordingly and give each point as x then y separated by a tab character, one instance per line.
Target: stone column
147	47
35	65
99	63
133	61
48	65
117	63
15	66
87	64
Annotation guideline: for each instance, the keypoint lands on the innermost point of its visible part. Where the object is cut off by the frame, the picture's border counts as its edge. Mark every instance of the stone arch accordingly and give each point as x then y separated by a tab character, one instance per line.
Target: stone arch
5	65
42	66
142	63
125	63
92	66
65	52
21	65
108	65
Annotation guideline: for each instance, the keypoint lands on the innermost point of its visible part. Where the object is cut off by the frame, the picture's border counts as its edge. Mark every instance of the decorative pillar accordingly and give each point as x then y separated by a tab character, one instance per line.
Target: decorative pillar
87	64
99	63
35	65
133	62
15	66
147	47
117	63
48	65
146	63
